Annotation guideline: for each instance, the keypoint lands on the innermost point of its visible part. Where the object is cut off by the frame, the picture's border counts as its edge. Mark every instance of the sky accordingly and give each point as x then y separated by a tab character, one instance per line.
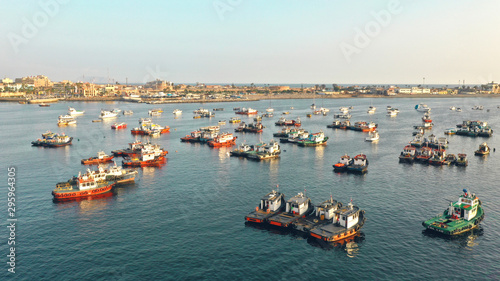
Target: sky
252	41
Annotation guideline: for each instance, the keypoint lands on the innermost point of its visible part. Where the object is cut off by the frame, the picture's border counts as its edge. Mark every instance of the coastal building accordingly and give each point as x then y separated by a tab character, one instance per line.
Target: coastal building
35	81
492	88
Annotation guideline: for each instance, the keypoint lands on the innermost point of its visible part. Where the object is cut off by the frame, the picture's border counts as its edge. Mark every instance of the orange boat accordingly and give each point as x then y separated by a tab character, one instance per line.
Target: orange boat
223	140
101	157
145	160
88	184
147	128
347	222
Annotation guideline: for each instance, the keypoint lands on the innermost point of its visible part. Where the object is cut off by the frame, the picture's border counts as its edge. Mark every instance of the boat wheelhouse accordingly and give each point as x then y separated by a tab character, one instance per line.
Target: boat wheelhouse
461	216
344	162
314	139
462	160
295	208
271	204
323	214
424	155
438	157
483	150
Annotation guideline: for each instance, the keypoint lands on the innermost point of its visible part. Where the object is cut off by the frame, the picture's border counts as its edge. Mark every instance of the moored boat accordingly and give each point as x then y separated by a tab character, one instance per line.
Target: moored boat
483	150
359	165
106	114
344	162
177	111
74	112
265	151
234	120
222	140
461	216
424	155
50	139
247	111
271	204
101	157
323	214
347	222
314	139
373	136
295	208
147	127
422	107
438	157
118	126
462	160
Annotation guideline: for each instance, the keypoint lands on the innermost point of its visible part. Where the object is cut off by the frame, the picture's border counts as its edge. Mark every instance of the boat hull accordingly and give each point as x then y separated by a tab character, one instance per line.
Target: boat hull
81	193
95	161
453	227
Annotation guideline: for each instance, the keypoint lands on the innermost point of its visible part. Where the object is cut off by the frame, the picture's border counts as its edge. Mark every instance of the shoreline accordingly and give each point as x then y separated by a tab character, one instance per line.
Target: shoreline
247	98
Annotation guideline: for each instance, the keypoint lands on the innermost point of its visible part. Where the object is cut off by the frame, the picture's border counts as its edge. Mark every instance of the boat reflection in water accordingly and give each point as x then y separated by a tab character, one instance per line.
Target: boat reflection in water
465	240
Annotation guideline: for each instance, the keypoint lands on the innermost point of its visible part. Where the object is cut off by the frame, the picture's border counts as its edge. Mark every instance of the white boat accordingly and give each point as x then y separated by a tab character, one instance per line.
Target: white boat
371	109
373	136
452	108
324	110
155	112
65	120
393	112
128	112
177	111
344	110
74	112
66	117
422	107
107	114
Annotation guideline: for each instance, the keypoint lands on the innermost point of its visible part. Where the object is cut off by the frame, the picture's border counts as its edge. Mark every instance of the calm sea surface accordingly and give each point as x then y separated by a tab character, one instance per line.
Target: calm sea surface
185	221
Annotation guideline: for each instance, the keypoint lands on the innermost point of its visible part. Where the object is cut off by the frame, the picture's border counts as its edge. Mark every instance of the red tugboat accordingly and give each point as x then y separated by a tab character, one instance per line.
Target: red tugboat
222	140
134	148
118	126
88	184
438	157
101	157
424	155
144	160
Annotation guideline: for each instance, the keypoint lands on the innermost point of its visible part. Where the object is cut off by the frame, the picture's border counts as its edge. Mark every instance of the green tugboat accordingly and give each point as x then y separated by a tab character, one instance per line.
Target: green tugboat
461	216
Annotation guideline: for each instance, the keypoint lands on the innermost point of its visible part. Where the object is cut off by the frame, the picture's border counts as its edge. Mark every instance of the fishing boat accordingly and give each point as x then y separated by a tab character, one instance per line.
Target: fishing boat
222	122
134	148
257	118
371	110
128	112
295	136
106	114
342	116
323	214
295	208
44	105
234	120
418	141
284	122
363	126
155	112
359	165
284	132
147	127
462	160
74	112
408	154
335	125
88	184
452	108
450	131
461	216
422	107
393	112
118	126
137	148
144	160
427	118
424	155
218	109
193	137
344	162
265	151
270	205
459	109
483	150
247	111
50	139
101	157
243	150
347	221
373	136
177	111
65	120
314	139
223	140
438	157
450	159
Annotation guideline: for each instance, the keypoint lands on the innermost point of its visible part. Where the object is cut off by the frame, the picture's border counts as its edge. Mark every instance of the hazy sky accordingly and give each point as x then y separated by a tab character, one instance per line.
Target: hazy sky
252	41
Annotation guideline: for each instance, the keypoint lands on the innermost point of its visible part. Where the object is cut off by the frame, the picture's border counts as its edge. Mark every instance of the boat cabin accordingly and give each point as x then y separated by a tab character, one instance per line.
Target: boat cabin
272	201
360	160
298	204
347	216
465	208
326	210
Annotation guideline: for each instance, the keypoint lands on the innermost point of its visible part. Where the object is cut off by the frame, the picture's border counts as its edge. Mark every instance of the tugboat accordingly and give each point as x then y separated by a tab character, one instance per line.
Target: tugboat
462	160
424	155
247	111
341	166
144	160
193	137
226	139
450	159
243	150
88	184
407	155
323	214
101	157
315	139
347	221
147	128
360	164
460	217
296	207
483	150
270	205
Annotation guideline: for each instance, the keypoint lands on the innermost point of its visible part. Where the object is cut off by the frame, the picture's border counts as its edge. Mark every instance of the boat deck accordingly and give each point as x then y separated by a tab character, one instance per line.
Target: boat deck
259	216
306	224
283	219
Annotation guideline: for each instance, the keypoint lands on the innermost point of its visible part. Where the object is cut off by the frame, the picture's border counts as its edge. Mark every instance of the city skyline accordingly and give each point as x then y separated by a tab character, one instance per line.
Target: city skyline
230	41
